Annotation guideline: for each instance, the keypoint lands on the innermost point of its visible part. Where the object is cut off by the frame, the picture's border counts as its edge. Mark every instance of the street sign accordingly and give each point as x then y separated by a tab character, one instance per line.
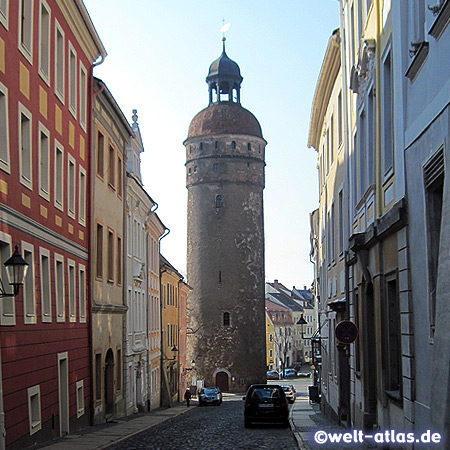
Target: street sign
346	332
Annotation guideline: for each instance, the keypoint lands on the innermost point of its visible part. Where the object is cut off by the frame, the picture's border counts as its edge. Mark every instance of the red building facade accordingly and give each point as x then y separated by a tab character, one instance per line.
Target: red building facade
47	51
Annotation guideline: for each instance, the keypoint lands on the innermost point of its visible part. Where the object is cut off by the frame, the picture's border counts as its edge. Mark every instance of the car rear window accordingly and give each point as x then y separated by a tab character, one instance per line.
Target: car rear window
210	391
264	393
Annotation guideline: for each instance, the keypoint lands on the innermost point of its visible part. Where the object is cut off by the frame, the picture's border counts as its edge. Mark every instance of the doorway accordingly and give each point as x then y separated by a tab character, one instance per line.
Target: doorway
63	393
109	383
222	381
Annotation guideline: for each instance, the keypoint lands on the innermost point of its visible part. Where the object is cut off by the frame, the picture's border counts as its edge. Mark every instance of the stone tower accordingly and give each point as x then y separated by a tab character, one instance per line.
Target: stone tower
225	251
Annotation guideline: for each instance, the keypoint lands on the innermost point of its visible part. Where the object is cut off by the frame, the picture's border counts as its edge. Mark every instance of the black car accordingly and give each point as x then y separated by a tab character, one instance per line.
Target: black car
210	396
265	403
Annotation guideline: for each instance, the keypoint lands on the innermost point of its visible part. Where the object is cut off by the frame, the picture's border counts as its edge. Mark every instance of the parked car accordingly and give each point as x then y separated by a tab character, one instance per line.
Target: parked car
265	403
209	396
304	374
273	375
290	392
289	373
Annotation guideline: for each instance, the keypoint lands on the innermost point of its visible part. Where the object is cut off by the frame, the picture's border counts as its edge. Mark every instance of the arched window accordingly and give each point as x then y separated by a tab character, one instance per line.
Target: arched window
219	201
226	319
233	145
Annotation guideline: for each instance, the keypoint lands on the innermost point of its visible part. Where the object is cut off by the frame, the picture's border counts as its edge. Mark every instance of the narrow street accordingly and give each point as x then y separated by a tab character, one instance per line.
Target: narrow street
211	427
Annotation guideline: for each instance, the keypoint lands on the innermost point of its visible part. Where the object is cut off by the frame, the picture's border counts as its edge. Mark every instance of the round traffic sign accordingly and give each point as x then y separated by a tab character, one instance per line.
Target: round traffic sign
346	332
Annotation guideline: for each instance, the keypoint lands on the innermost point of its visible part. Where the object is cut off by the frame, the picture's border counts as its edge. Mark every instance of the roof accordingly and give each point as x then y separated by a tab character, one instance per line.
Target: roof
224	118
224	66
286	301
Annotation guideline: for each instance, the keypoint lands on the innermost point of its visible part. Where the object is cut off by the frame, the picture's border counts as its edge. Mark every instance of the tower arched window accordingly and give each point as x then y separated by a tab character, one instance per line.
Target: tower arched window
219	201
201	145
226	319
249	146
233	145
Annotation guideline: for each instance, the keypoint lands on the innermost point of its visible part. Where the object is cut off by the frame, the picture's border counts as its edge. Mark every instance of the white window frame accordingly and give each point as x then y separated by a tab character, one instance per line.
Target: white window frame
72	287
25	180
5	159
59	190
29	289
44	41
59	62
44	173
82	189
80	398
60	298
83	95
82	292
46	302
34	408
4	12
72	61
7	304
71	185
23	46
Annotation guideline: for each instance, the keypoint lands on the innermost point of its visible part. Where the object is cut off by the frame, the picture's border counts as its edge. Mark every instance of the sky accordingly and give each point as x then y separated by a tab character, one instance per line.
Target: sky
159	53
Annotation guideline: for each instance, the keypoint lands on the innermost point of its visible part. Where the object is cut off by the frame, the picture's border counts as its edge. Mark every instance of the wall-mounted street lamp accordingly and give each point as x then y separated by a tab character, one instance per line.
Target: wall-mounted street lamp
16	269
302	322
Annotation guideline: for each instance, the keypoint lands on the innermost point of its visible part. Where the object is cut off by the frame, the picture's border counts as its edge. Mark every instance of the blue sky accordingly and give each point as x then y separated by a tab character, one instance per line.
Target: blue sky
159	52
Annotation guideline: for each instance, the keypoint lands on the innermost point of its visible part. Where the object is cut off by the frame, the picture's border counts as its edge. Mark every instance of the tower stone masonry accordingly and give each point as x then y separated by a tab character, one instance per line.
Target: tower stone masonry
225	249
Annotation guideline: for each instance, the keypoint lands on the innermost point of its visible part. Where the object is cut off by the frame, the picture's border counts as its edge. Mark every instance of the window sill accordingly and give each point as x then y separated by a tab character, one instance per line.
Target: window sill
418	60
441	22
395	396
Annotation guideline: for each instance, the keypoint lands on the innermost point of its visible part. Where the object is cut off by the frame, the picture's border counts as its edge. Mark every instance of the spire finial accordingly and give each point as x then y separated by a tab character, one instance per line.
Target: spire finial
134	116
225	27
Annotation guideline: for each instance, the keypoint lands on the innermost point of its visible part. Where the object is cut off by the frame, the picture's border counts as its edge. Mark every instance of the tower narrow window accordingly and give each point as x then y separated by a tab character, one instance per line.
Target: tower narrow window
216	145
220	277
226	319
233	145
249	147
219	201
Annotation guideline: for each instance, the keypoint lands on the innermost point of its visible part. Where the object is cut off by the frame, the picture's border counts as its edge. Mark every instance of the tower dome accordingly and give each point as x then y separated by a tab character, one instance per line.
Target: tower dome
224	79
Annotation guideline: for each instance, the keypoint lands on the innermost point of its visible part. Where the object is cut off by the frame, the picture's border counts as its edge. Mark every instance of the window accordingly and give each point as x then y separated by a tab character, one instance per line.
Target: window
72	291
34	409
82	197
112	167
219	201
341	221
72	64
4	129
100	154
110	256
59	175
119	369
80	398
233	145
339	119
82	292
329	161
332	139
44	41
434	175
99	261
83	96
59	61
7	305
387	132
119	176
362	169
119	260
226	319
59	288
220	277
393	337
71	186
98	376
26	29
46	299
249	146
29	293
216	167
44	162
25	155
333	226
371	138
4	7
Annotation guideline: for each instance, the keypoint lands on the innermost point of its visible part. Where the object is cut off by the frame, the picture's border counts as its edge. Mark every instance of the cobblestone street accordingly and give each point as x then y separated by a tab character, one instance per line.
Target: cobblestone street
211	427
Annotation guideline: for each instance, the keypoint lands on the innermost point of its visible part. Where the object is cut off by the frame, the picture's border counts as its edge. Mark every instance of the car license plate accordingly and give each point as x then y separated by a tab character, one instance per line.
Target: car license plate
265	405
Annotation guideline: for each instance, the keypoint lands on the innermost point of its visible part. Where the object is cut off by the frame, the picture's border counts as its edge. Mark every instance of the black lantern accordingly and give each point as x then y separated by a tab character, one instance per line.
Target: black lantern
302	322
16	269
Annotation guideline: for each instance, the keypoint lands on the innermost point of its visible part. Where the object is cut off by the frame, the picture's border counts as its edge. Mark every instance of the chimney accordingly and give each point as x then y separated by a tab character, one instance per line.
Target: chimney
304	287
275	284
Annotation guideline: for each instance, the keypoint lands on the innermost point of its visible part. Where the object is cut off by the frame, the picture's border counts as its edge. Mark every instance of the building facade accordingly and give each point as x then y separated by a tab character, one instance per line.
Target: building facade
47	51
111	133
225	252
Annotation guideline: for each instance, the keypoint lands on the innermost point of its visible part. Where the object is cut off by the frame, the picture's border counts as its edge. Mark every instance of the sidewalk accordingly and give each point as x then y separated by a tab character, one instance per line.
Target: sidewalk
102	436
306	419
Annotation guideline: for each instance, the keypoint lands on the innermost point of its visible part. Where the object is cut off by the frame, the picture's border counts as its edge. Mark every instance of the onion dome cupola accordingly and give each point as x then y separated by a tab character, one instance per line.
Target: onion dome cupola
224	80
